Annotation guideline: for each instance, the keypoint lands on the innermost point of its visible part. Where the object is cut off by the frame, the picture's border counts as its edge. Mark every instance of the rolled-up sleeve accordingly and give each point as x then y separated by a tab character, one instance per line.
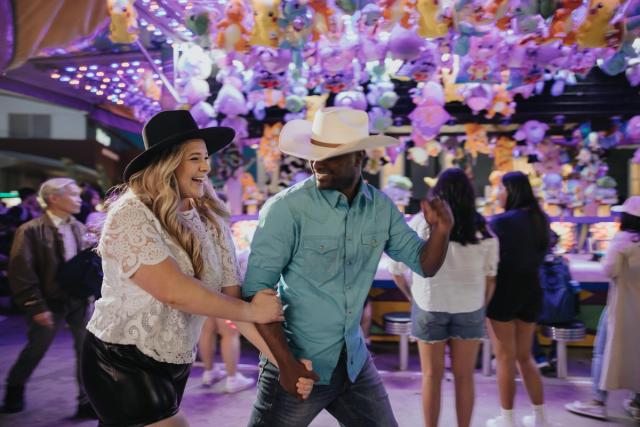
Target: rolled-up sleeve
271	247
404	244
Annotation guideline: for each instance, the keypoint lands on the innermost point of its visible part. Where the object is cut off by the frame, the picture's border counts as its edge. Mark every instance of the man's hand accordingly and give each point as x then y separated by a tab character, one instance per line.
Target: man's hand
295	377
437	214
305	385
44	319
266	307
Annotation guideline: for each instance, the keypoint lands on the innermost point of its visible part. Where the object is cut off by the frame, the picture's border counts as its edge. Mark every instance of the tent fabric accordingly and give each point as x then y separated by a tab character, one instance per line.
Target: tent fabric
43	26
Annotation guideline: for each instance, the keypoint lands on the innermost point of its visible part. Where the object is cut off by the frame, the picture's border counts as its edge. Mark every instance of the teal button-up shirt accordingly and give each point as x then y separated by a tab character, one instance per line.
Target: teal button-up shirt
322	255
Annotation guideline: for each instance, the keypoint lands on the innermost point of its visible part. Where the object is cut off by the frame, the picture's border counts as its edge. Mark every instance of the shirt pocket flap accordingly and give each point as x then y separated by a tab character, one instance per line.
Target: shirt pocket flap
320	245
375	239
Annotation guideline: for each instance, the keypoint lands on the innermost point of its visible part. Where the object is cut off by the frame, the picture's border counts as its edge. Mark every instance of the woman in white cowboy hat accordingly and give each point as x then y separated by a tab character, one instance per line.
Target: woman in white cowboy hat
168	262
320	242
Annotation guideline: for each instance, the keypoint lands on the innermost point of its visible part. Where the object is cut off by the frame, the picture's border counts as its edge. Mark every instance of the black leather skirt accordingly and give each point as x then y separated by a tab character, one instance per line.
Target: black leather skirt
127	387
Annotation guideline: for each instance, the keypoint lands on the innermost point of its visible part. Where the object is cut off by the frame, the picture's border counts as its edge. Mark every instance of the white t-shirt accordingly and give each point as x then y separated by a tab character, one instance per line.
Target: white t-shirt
459	285
127	314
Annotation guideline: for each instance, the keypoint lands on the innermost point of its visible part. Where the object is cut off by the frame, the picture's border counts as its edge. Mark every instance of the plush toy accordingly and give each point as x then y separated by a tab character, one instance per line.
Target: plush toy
353	99
597	30
502	103
195	63
492	205
429	115
477	140
266	31
405	44
503	154
477	96
203	113
124	21
230	100
422	68
321	18
195	90
532	132
552	188
398	189
199	22
526	18
632	130
231	31
498	10
432	23
396	12
296	27
379	120
268	150
239	125
382	94
633	74
480	63
418	155
562	24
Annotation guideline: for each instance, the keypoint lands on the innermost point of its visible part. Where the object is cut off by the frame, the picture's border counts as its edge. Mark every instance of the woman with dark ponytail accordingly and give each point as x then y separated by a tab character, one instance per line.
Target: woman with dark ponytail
523	233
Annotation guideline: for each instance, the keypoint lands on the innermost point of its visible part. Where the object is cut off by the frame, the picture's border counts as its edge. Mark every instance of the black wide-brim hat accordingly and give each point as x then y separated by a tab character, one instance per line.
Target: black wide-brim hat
169	128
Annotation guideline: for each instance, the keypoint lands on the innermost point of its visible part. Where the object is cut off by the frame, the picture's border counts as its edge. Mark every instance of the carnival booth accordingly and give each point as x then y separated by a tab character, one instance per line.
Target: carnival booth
545	87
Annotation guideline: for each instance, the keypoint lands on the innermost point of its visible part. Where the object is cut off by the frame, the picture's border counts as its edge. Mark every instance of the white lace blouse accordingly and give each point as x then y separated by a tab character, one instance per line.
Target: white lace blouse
127	314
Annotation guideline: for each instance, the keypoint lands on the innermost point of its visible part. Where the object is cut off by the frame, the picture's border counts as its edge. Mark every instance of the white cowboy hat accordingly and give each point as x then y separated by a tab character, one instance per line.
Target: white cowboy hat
630	206
334	131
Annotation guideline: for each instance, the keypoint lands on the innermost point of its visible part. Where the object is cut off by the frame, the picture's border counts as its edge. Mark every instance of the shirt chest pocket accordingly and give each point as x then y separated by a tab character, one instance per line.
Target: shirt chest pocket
372	245
320	255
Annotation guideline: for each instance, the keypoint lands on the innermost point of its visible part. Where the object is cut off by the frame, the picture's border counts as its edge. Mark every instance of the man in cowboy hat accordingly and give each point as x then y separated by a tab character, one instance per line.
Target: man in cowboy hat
320	242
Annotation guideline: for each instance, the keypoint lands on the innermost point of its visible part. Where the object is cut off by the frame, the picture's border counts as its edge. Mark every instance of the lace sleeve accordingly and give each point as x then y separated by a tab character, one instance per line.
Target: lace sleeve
230	270
131	237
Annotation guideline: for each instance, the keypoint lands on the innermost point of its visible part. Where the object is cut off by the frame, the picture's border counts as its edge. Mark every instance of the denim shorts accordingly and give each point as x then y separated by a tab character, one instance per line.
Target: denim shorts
433	326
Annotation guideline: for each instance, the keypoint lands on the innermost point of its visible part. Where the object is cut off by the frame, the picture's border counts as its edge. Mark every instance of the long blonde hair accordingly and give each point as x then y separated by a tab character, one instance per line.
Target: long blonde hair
157	187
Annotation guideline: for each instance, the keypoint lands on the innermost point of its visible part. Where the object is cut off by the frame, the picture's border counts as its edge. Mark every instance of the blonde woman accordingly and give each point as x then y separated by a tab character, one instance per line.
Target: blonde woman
168	262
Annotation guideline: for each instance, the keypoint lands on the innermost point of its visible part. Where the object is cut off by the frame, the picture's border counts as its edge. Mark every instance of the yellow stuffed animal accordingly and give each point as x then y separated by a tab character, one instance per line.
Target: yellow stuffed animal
266	31
124	21
596	30
502	103
432	24
268	150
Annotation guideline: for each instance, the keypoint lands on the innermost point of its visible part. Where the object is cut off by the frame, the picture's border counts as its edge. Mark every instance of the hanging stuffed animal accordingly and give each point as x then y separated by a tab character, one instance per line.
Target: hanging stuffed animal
596	30
295	26
266	31
396	12
321	18
503	154
477	141
422	68
562	25
502	103
268	150
231	31
124	21
433	22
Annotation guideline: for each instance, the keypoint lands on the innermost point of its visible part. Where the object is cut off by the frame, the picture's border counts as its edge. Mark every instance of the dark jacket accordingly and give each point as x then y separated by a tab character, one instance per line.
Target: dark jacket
36	255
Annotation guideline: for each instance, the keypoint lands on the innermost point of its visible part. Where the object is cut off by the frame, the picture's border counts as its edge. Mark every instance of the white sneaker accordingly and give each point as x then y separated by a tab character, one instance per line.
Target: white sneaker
237	383
501	421
533	421
212	376
587	409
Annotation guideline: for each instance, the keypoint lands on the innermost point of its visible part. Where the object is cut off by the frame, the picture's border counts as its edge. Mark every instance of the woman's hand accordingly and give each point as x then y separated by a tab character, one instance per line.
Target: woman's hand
304	385
266	307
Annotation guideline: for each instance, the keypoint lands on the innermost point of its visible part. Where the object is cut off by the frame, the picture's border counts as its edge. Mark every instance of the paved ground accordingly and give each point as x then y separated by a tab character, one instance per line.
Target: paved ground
51	392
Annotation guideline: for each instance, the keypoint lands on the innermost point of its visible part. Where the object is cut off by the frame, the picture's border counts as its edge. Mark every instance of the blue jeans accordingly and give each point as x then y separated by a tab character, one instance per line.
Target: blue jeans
362	403
598	354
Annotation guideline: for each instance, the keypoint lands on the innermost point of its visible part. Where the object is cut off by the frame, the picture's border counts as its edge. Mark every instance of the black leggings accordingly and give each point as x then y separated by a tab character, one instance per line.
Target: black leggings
127	387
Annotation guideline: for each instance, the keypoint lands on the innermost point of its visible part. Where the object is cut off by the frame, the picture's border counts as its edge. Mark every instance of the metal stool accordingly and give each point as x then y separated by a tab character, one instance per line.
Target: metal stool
562	334
399	323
